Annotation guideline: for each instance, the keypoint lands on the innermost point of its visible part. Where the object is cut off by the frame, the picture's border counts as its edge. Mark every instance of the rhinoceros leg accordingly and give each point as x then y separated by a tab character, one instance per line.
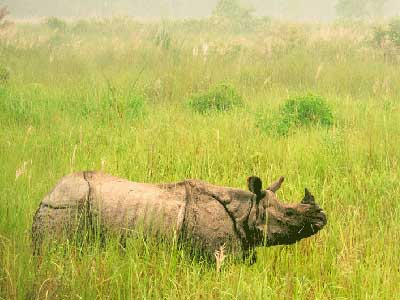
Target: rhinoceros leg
63	211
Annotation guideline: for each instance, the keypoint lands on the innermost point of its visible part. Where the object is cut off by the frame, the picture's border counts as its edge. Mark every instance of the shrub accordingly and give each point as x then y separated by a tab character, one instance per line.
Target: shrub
233	15
389	32
231	9
302	111
359	8
394	31
81	26
56	24
222	97
380	35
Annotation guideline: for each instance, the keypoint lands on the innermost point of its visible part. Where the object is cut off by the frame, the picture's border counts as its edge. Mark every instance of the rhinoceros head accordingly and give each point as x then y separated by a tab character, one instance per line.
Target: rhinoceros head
283	224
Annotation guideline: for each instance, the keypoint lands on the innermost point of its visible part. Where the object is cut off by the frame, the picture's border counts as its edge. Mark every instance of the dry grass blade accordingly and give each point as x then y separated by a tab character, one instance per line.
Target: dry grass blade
220	257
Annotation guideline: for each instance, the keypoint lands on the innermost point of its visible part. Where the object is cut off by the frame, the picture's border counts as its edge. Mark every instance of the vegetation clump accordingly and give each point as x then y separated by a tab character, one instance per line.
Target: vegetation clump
389	33
393	31
231	9
56	24
231	13
222	97
296	112
360	9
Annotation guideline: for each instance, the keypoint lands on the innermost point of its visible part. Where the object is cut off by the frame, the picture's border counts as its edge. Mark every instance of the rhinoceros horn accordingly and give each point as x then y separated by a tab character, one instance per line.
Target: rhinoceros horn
308	197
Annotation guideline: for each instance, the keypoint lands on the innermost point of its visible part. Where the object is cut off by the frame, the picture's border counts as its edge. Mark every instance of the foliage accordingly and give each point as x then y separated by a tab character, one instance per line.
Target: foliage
297	112
380	35
56	24
81	26
359	8
388	36
222	97
393	31
233	13
231	9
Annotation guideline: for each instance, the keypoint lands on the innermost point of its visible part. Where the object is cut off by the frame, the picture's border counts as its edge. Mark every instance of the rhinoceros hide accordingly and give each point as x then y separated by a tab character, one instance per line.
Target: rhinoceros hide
205	215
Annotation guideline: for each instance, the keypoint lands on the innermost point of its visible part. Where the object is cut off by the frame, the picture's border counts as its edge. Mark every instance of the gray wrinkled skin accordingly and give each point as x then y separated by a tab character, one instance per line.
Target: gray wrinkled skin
205	215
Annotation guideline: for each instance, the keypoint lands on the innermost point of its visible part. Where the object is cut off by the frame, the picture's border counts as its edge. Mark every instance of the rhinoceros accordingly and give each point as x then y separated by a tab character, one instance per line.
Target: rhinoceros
203	214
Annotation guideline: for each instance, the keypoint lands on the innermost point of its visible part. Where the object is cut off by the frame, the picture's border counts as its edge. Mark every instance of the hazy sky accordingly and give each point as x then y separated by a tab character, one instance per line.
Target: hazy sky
293	9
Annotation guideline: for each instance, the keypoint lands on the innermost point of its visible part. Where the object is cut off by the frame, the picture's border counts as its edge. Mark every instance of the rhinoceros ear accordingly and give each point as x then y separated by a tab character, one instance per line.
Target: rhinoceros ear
308	197
254	184
276	185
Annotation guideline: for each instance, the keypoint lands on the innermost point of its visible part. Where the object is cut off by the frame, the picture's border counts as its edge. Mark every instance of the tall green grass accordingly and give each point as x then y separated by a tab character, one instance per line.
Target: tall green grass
66	107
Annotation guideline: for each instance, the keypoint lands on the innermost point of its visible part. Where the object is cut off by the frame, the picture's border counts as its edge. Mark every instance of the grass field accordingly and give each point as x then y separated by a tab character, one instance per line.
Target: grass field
112	95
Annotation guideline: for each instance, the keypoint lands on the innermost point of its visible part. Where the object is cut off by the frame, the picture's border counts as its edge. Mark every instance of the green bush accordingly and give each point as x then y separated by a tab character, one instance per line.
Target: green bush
394	31
389	32
231	9
222	97
231	14
380	35
56	24
81	26
301	111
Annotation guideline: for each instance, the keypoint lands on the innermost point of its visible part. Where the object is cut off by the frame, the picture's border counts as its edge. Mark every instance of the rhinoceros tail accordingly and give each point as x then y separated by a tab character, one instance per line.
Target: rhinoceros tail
36	233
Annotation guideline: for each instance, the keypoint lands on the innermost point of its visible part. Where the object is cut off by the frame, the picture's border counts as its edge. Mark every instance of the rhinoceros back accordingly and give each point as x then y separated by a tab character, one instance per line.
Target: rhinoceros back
120	204
108	203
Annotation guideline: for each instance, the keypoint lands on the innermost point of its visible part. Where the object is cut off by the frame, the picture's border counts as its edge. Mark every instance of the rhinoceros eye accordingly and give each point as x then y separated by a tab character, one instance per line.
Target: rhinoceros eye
290	212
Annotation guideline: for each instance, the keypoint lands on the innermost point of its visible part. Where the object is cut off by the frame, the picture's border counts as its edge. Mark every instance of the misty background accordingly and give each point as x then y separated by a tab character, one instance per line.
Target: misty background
312	10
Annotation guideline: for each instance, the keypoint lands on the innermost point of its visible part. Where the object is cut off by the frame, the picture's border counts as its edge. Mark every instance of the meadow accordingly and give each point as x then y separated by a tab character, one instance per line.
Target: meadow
112	95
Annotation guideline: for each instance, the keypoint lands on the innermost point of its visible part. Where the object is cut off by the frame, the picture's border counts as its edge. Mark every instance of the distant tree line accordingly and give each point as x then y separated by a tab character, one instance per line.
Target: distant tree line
293	9
360	8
